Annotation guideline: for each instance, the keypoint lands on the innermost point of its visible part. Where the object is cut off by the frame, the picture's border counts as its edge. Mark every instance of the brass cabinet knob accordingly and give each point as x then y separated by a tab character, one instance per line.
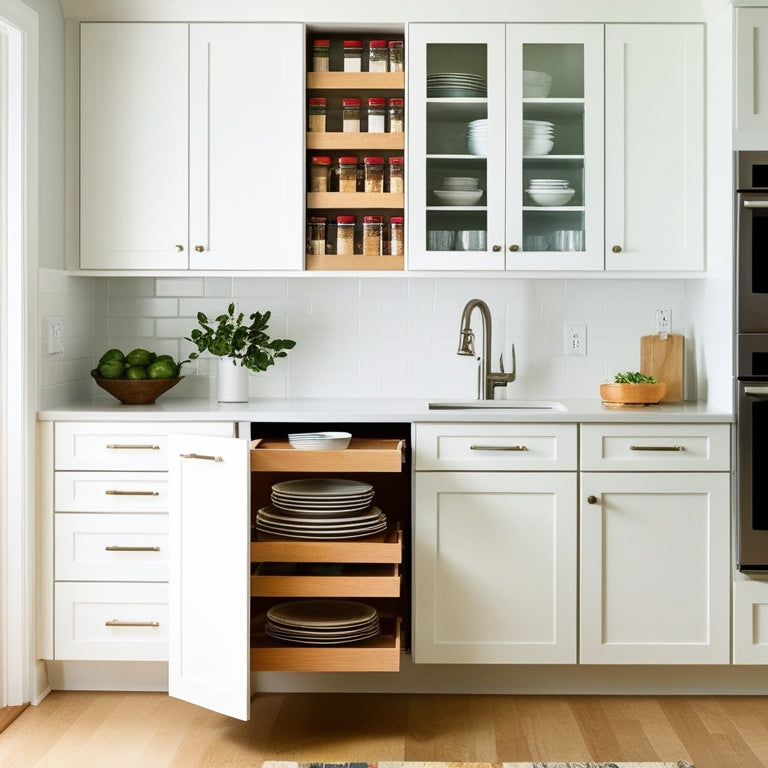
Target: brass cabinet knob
496	248
591	499
514	248
179	248
199	248
616	249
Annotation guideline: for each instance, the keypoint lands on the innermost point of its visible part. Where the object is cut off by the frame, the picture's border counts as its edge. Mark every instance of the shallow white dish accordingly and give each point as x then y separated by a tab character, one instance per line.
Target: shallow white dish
550	197
320	441
458	197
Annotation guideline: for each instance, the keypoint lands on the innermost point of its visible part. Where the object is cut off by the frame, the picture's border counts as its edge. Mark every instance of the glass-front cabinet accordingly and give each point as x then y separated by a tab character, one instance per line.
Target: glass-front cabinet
506	132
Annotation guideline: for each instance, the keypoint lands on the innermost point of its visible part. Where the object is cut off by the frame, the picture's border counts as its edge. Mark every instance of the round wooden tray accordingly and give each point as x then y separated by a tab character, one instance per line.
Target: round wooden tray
633	394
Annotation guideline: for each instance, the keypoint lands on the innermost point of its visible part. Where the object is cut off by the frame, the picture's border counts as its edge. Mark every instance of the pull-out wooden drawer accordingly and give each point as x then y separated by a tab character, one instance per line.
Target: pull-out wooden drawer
94	547
495	447
655	447
111	621
362	455
111	492
124	445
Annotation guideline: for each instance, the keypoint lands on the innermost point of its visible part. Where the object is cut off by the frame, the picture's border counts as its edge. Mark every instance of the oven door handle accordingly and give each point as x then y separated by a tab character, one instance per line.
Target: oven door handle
756	391
756	203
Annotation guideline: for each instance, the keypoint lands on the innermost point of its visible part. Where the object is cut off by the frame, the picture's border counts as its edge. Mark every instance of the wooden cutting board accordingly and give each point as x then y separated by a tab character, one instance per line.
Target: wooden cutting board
663	358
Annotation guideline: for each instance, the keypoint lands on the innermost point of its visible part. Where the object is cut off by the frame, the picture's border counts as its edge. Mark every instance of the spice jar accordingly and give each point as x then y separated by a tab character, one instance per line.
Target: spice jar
317	226
353	56
345	235
377	114
396	117
396	56
396	175
372	235
374	174
378	56
317	112
318	173
348	174
396	238
321	55
350	115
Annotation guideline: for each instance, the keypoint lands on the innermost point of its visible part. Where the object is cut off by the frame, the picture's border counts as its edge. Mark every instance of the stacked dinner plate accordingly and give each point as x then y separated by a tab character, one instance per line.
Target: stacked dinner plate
456	84
548	192
321	508
477	137
322	622
459	190
538	137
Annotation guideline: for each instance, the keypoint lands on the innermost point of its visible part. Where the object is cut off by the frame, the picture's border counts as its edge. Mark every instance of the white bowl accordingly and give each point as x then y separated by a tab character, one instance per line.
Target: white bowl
532	77
458	197
319	441
535	91
546	197
477	146
537	146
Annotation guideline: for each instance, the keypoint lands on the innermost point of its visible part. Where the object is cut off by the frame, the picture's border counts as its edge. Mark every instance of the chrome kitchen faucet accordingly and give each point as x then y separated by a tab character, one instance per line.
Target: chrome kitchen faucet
488	379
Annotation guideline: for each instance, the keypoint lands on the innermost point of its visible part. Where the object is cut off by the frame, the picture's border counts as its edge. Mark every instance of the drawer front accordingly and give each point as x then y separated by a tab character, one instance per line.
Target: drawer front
656	447
111	547
124	445
111	492
495	447
111	622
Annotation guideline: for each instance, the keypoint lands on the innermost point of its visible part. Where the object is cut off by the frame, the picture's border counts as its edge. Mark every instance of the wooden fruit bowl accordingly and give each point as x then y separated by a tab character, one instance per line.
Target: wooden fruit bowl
135	391
633	394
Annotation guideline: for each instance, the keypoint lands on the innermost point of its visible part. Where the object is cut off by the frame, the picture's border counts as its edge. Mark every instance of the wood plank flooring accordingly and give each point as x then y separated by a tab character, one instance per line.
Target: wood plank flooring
152	730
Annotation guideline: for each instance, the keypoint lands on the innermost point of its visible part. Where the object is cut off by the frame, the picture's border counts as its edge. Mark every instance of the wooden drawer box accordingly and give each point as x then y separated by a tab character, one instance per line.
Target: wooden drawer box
362	455
124	445
94	547
495	447
111	621
655	447
111	492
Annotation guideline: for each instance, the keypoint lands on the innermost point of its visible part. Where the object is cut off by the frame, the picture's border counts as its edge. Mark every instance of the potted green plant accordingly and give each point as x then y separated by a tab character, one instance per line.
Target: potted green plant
240	346
633	388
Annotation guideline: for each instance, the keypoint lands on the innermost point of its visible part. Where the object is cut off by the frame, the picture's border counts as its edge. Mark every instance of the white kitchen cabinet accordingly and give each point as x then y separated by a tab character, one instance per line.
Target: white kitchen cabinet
654	147
751	91
200	168
495	551
655	544
750	621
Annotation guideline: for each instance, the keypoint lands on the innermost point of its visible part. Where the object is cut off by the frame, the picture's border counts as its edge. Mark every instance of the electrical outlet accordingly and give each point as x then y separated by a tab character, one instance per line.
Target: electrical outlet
663	321
575	340
55	336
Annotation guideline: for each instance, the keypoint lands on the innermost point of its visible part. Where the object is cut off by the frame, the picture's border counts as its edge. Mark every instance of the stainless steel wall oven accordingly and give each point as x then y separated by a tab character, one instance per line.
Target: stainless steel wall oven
751	287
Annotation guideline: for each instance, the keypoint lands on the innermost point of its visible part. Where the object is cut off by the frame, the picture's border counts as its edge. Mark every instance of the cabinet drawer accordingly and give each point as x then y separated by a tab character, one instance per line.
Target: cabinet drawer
362	455
111	492
656	447
111	547
124	445
111	622
495	447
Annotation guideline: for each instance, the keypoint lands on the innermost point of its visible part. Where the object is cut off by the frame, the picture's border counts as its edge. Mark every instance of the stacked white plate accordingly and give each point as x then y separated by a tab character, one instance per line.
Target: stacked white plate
322	622
547	192
456	84
459	190
320	441
477	137
538	137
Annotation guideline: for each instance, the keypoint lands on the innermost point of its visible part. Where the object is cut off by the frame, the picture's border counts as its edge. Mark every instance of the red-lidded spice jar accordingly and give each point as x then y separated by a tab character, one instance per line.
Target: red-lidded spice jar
321	55
353	56
396	175
377	115
373	240
378	56
396	115
374	174
348	174
345	235
317	112
319	167
350	115
396	56
317	227
396	236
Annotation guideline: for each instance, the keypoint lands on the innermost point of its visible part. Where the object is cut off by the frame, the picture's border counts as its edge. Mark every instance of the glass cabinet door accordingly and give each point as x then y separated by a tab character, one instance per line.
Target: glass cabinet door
554	88
456	146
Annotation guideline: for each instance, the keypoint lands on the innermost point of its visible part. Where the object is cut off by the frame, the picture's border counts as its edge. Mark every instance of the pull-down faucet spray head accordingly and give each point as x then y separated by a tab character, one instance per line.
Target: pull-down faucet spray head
466	343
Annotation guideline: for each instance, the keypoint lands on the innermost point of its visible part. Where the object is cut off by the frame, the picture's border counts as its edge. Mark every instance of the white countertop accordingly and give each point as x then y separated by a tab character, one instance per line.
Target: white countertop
371	410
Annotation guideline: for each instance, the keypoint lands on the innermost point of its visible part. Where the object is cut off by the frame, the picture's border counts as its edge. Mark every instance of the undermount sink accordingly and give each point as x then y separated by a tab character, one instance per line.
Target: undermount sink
507	405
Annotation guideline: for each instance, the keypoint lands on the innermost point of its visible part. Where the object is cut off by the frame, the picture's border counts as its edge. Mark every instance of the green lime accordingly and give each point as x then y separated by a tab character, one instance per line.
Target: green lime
136	372
162	369
112	370
138	357
111	356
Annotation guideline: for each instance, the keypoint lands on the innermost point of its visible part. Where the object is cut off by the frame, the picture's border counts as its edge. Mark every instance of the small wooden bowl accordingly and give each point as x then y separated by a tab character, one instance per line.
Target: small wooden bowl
135	391
633	394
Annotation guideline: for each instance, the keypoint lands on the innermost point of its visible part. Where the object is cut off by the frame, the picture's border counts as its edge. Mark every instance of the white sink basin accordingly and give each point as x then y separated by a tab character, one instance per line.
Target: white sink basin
507	405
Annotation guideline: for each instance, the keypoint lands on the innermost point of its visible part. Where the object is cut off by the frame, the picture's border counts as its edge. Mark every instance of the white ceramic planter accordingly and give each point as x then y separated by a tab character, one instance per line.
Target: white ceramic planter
232	384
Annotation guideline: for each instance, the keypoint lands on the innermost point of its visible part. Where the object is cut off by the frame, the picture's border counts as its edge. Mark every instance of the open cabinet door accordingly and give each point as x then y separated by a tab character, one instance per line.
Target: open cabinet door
209	610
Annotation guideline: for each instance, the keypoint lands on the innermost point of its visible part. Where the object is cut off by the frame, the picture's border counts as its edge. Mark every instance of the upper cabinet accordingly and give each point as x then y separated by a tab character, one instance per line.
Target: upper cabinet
199	168
751	49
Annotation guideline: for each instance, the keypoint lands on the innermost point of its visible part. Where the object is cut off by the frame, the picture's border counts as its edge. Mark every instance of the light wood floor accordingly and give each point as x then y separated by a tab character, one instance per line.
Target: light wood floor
150	730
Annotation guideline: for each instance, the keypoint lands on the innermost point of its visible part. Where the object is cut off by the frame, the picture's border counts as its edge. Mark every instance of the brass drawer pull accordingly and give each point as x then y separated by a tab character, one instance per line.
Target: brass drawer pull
118	623
498	447
120	447
656	447
131	493
200	456
118	548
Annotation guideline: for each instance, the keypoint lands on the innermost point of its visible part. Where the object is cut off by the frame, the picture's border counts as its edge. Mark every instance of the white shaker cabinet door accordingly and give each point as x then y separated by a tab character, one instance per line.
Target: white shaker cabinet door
654	147
209	582
133	146
246	140
751	50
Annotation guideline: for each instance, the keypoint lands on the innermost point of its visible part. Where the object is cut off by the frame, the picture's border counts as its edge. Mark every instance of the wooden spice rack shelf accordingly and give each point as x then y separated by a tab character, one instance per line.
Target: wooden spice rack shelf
357	262
355	200
356	80
342	142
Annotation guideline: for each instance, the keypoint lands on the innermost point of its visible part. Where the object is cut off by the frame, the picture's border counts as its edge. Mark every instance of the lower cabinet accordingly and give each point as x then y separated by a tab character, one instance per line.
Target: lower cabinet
750	622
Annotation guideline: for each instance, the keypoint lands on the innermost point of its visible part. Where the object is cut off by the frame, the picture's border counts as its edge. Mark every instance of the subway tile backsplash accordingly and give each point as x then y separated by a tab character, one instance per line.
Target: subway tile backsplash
361	337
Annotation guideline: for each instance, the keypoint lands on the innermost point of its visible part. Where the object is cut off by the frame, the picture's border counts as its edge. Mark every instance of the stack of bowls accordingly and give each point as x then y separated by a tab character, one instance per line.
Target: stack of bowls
538	137
536	85
477	137
548	192
459	190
